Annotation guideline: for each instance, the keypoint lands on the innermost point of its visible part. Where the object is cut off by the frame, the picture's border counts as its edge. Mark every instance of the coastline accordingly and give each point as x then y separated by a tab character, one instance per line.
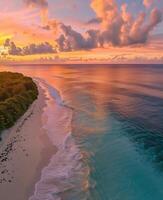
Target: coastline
24	150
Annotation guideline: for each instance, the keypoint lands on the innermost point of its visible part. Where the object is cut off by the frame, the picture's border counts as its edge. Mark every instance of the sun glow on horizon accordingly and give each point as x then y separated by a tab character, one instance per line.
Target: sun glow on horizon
45	31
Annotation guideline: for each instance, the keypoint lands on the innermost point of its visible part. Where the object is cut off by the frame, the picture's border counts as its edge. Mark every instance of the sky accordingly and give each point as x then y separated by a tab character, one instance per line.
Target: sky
98	31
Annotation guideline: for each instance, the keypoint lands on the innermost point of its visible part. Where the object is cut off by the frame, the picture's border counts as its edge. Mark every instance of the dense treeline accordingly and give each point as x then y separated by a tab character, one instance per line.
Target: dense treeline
17	93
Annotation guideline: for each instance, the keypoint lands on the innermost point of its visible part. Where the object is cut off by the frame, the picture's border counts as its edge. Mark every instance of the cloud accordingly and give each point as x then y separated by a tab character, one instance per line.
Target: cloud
31	49
147	3
13	49
70	39
17	26
38	49
96	20
42	5
112	26
117	28
37	3
120	28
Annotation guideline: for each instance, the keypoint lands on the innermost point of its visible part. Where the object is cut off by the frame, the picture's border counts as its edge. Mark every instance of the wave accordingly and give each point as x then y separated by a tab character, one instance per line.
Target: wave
66	175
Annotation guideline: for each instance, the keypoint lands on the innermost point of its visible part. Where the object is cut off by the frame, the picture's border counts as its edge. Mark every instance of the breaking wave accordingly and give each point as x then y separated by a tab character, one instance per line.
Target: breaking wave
66	175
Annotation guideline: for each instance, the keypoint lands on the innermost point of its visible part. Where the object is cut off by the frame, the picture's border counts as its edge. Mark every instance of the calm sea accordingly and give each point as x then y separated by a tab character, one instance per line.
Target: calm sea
117	124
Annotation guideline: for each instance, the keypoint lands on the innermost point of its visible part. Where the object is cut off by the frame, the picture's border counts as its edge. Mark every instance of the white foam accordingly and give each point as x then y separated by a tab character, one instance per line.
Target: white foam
66	171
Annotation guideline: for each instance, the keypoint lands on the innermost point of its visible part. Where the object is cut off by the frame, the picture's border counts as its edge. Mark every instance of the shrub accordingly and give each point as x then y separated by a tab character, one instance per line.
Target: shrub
17	93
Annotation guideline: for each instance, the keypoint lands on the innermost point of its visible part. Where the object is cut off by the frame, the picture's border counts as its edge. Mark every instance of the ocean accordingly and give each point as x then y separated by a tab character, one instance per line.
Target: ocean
107	122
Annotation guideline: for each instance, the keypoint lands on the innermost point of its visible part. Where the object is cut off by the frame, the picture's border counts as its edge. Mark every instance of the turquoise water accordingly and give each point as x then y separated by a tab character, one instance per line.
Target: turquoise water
117	125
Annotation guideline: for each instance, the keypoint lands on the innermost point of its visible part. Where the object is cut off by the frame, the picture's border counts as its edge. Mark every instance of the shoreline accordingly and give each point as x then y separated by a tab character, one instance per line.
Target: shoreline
25	143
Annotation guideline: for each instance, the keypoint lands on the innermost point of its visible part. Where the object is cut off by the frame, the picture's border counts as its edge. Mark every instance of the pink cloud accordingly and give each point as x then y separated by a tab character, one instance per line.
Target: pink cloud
121	28
42	5
147	3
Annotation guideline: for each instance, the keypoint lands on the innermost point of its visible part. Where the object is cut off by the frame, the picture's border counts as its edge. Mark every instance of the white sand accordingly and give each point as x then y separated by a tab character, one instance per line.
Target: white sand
24	151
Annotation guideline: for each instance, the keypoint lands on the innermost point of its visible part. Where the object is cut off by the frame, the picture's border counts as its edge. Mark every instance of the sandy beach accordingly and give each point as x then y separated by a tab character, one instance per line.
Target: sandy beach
24	150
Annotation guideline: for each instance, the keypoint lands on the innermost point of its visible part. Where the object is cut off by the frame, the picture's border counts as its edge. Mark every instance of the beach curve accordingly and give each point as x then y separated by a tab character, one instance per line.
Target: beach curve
65	174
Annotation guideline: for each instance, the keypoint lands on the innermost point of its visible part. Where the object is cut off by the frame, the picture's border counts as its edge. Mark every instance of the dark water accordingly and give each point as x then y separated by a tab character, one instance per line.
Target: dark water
117	124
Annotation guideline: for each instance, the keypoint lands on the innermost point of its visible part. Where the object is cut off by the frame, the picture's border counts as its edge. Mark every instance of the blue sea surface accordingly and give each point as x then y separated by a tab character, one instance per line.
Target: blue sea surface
117	124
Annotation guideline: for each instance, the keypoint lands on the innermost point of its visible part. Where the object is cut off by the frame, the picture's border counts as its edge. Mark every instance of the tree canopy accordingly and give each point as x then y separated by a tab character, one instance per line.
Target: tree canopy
17	93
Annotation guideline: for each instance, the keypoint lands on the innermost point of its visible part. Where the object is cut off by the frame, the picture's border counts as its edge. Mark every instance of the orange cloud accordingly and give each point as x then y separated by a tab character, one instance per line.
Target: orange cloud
120	28
115	28
42	5
147	3
23	27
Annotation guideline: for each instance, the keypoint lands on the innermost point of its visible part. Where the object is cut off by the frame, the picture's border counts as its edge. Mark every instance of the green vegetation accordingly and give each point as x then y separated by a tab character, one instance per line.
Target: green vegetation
17	93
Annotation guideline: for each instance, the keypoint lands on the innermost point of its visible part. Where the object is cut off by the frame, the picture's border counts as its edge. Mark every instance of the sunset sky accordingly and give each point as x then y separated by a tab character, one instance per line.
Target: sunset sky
111	31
